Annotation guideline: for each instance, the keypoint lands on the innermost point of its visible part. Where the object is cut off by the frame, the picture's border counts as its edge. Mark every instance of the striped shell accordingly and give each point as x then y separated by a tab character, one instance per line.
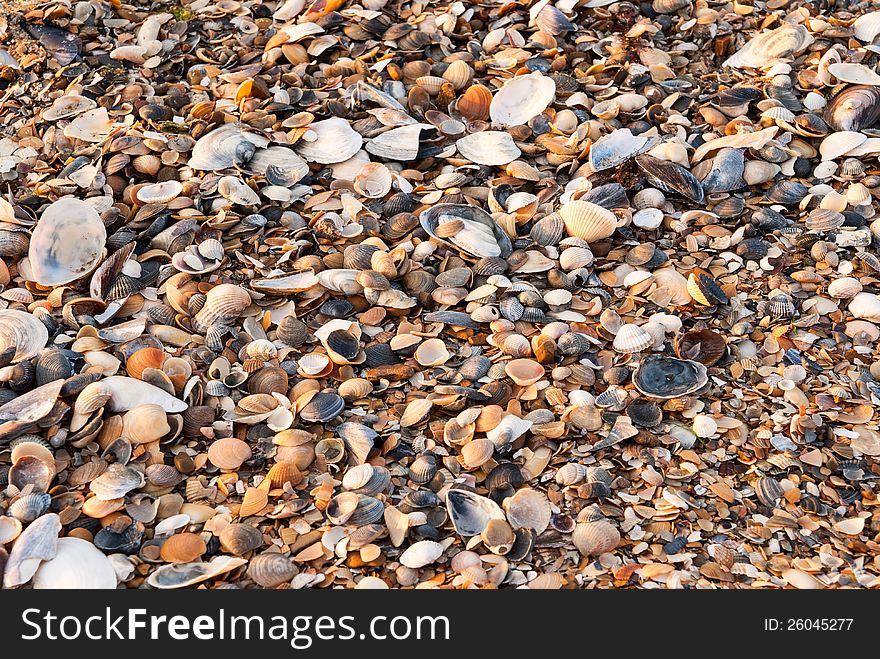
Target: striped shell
589	221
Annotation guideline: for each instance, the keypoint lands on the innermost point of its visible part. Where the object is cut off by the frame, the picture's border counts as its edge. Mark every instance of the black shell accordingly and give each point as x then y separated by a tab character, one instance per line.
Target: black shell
671	177
665	377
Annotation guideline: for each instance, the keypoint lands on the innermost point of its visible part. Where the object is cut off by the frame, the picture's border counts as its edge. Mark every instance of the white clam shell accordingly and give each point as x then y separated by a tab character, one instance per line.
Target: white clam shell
332	140
77	565
67	242
488	147
522	98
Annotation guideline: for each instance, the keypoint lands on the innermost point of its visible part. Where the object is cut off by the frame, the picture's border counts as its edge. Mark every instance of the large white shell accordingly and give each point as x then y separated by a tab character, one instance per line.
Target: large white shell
77	565
68	105
67	243
865	306
840	143
488	147
224	147
857	74
22	331
333	140
770	48
92	126
522	98
421	553
867	26
401	144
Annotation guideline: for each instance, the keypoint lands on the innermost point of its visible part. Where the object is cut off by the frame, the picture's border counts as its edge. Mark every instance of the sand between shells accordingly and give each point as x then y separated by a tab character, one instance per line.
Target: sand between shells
401	295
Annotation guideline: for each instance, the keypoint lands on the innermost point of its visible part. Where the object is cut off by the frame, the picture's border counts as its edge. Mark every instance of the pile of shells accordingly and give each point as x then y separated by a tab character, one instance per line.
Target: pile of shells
552	294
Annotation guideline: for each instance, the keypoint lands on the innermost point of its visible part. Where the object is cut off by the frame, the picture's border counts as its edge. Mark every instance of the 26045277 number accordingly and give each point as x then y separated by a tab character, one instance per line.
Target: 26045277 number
808	624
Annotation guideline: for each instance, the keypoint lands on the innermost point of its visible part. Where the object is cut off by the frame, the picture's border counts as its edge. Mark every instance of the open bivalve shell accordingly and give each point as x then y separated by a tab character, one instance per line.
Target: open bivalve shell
67	242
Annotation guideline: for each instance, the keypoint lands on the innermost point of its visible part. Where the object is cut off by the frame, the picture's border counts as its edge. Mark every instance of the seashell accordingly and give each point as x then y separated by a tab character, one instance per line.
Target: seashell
67	106
474	104
228	453
480	235
844	288
253	502
488	147
238	539
181	575
373	181
470	513
67	242
77	564
867	26
498	537
22	334
704	289
595	538
857	74
781	307
37	543
145	423
292	331
588	221
571	474
182	548
432	352
31	470
354	389
664	377
524	372
705	346
756	172
522	98
117	481
224	304
854	108
423	468
769	491
322	407
422	553
770	47
704	426
237	191
328	142
671	177
726	172
865	306
398	143
159	193
528	508
840	143
459	73
632	338
477	452
616	148
271	569
91	126
644	413
30	507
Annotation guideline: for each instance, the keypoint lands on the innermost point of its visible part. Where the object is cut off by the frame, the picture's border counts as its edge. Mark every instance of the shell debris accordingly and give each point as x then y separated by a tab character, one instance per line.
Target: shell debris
439	295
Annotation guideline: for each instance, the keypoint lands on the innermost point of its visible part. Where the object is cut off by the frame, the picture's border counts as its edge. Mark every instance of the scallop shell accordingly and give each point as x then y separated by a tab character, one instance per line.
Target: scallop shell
493	148
67	242
529	509
77	565
159	193
589	221
373	180
867	26
632	338
522	98
595	538
182	548
224	303
322	407
330	141
22	332
704	426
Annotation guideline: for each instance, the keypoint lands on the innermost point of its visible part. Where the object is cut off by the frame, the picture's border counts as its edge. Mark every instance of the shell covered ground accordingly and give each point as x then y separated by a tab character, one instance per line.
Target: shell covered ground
573	294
